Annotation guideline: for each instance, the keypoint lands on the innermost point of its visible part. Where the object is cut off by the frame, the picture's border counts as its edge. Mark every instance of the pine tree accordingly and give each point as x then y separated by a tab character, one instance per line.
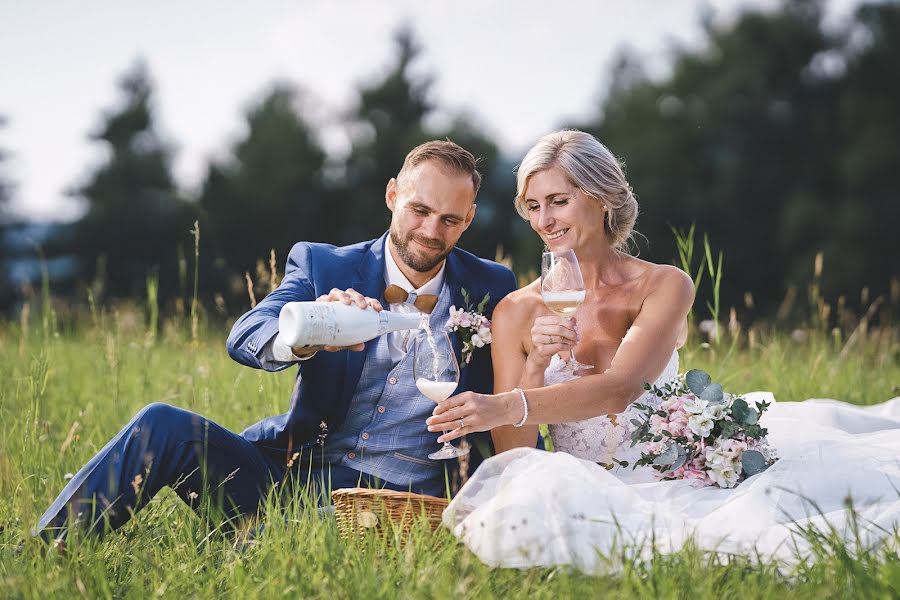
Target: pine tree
5	184
134	217
268	194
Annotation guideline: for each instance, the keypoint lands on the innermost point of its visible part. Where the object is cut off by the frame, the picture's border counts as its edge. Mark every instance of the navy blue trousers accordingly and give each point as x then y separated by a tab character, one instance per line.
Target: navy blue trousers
199	459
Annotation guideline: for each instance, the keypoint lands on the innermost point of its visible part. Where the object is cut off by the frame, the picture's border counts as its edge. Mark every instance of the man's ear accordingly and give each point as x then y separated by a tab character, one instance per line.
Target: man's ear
469	216
390	194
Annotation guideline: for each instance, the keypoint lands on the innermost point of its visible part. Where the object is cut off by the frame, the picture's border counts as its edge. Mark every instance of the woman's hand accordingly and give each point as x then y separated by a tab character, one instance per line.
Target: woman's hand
470	412
550	335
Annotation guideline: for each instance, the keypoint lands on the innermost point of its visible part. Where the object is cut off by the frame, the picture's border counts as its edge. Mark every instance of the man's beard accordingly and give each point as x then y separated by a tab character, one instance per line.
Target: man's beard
420	264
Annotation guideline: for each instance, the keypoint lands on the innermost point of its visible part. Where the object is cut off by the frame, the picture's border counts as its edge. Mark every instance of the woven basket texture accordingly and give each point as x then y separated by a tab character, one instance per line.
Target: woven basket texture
362	510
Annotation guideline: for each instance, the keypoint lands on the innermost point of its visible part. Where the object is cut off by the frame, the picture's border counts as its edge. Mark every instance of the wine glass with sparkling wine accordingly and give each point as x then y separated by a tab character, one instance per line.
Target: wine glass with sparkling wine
562	289
437	375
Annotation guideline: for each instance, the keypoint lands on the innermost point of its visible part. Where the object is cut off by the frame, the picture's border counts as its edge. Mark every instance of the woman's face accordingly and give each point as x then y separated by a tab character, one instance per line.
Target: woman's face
561	214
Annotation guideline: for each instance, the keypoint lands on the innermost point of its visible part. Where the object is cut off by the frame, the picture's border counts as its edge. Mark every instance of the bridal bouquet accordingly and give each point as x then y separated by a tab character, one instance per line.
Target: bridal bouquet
700	432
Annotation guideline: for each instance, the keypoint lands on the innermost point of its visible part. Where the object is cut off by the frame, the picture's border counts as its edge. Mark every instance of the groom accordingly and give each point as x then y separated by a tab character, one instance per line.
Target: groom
355	417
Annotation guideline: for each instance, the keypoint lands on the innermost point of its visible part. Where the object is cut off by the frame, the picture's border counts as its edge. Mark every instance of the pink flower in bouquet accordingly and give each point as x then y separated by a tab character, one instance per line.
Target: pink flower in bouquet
658	424
695	469
678	423
731	449
698	474
675	404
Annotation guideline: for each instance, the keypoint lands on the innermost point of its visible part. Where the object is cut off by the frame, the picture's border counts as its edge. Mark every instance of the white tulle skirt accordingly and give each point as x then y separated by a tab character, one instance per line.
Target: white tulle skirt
839	473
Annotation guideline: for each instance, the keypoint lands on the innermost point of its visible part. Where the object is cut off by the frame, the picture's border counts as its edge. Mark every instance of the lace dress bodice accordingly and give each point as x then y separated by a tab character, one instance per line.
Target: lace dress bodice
599	439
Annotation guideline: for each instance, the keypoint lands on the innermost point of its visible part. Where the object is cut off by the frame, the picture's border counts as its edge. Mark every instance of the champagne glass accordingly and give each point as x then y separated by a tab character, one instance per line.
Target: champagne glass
562	289
437	375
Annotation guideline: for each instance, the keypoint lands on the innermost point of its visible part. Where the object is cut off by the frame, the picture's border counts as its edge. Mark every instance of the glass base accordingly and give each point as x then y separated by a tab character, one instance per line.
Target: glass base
573	366
448	451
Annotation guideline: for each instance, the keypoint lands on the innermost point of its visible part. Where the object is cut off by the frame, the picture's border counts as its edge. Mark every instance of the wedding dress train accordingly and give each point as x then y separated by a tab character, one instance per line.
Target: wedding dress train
839	471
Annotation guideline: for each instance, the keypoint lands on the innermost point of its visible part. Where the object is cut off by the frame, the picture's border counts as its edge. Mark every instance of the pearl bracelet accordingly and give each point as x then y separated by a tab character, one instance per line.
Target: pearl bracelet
524	405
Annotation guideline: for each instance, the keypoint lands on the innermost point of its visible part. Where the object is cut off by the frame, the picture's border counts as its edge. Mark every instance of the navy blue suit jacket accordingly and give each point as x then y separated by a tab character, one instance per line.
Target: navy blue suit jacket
325	384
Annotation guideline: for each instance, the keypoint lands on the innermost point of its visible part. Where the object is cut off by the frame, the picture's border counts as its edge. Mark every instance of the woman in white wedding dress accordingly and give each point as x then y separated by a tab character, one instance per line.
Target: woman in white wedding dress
526	507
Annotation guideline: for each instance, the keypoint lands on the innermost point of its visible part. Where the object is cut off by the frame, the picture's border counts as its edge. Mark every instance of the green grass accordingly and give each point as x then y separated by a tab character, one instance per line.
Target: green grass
63	395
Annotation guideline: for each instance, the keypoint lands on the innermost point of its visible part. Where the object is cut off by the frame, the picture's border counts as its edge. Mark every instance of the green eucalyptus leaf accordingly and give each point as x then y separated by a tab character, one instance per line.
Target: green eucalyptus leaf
681	460
712	393
750	417
739	410
753	462
668	457
697	380
636	436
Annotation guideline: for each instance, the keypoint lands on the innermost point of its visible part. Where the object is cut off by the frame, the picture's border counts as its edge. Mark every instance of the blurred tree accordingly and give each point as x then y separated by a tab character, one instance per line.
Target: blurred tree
390	119
5	184
386	124
864	249
269	193
496	224
5	198
135	222
754	137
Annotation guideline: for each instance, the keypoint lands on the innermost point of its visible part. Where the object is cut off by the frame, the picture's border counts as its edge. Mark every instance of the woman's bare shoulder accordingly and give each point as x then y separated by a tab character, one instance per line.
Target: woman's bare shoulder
670	280
655	277
521	304
665	283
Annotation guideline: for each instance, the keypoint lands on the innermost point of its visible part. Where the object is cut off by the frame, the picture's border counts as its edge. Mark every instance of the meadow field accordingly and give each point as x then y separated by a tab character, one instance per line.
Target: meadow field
69	382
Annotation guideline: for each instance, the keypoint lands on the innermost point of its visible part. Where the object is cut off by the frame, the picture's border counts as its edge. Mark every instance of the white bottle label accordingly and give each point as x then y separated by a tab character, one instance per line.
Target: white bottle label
302	324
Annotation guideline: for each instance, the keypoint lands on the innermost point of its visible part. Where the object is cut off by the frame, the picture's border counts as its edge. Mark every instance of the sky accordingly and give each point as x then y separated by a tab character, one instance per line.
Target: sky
520	67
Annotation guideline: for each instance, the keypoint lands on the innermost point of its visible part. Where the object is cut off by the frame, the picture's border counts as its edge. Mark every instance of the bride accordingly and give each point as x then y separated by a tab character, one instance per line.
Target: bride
840	465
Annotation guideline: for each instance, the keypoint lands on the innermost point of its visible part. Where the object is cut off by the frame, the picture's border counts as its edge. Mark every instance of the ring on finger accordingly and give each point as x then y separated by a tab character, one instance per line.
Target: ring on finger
461	423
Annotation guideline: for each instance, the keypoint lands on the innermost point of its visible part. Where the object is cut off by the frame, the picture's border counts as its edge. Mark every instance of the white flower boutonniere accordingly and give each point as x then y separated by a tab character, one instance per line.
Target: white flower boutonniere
472	325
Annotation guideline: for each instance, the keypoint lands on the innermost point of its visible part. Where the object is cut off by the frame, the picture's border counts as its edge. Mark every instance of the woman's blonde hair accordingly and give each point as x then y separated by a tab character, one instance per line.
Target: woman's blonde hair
592	168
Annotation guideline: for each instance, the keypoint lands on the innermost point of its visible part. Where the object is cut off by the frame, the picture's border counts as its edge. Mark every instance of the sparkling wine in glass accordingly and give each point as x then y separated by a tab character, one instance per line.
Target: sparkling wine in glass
562	289
437	375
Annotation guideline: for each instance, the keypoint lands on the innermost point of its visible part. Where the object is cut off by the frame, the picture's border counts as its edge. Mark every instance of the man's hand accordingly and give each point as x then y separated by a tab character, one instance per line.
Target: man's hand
348	296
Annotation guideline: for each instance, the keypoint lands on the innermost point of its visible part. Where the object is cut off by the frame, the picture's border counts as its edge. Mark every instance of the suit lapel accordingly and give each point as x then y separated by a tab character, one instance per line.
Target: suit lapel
454	280
368	281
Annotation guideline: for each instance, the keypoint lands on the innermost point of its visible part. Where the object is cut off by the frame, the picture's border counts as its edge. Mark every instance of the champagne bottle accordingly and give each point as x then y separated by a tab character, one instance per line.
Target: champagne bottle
317	324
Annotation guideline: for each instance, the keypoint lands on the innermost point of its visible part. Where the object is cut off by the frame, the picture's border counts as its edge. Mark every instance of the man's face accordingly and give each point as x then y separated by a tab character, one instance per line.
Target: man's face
432	206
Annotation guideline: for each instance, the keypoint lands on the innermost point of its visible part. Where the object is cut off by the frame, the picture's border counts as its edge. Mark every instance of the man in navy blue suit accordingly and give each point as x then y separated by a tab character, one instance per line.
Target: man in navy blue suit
355	416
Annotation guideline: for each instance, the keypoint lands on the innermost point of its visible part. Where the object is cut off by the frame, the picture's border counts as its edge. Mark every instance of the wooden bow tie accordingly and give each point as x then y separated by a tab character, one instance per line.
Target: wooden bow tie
394	294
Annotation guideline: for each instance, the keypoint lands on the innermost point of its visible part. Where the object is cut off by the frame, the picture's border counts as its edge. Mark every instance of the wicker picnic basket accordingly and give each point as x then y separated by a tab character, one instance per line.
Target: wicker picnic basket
359	510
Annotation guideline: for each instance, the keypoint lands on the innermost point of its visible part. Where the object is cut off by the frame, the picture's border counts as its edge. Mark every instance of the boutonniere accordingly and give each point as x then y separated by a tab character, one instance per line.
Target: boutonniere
472	325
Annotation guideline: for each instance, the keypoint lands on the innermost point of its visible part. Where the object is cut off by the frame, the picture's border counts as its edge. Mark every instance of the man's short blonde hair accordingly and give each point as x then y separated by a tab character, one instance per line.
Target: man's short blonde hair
449	154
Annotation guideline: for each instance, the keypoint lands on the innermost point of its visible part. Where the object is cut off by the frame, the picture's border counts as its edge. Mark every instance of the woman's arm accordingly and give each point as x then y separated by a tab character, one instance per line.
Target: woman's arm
510	358
641	357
